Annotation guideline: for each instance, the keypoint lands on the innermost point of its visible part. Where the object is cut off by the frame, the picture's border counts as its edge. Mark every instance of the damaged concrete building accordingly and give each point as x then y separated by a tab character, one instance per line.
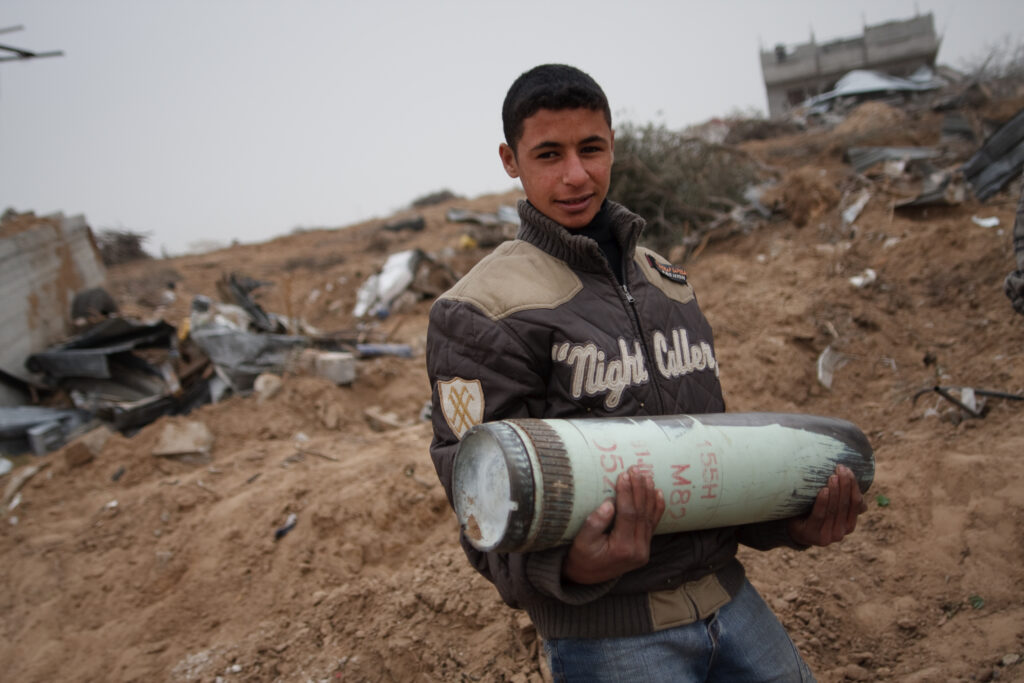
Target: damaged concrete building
793	74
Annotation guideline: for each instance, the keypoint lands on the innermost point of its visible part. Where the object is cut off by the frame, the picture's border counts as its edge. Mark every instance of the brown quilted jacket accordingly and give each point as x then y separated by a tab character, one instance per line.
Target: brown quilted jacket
544	327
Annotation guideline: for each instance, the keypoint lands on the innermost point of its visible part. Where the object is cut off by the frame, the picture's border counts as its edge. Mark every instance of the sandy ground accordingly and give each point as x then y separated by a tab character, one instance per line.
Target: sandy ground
173	573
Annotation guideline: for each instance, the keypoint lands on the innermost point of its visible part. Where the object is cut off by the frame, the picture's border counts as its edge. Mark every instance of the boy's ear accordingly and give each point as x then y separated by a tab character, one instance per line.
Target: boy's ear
508	160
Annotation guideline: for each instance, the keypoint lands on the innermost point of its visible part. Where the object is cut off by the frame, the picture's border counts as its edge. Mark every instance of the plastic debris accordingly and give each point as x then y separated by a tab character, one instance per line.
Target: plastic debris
851	212
829	361
381	289
864	279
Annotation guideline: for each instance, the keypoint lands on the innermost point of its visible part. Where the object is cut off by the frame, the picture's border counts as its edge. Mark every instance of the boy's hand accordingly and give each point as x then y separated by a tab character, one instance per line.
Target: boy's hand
600	554
835	511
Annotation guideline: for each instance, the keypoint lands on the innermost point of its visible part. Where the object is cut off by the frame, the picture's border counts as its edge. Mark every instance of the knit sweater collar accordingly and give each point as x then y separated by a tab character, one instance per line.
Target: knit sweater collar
576	250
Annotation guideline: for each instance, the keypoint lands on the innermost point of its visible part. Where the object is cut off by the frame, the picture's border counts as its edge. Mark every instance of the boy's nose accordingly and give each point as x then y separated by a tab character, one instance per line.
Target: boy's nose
574	173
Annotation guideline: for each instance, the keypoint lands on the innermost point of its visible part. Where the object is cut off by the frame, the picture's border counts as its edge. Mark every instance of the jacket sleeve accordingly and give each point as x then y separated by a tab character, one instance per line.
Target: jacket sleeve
508	377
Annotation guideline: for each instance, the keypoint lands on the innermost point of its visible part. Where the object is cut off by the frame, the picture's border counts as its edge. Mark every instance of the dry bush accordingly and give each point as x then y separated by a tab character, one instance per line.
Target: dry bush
121	246
1000	67
758	128
680	184
433	198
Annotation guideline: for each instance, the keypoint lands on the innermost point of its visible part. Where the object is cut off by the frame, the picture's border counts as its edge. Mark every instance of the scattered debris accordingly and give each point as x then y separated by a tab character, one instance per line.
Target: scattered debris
266	386
125	372
413	271
504	215
486	229
381	420
238	288
337	366
239	356
864	279
829	361
37	428
851	212
288	526
188	437
940	188
92	305
956	126
20	478
968	401
380	289
307	451
864	158
415	224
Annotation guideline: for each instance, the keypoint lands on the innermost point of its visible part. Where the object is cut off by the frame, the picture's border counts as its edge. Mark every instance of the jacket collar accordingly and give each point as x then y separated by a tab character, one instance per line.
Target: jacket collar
576	250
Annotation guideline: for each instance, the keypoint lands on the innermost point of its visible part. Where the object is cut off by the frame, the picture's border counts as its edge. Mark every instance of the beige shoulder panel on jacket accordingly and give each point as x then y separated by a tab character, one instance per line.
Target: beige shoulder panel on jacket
514	277
673	290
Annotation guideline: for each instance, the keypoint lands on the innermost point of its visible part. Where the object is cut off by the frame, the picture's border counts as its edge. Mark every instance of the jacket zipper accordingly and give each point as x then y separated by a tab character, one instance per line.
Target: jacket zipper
643	340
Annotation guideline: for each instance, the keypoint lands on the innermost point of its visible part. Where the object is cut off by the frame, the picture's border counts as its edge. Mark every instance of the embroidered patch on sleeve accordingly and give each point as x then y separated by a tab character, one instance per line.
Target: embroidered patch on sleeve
462	403
674	273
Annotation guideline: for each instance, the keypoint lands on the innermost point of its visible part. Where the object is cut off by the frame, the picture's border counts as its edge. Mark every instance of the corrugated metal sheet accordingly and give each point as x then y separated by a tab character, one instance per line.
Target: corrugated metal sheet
863	158
999	160
41	269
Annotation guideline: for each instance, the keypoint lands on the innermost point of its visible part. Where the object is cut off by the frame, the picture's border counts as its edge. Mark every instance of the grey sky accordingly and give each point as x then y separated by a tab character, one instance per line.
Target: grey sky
228	119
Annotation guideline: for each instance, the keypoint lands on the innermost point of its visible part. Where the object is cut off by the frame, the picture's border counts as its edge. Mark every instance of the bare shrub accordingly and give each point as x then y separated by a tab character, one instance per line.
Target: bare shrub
758	128
121	246
680	184
433	198
1000	66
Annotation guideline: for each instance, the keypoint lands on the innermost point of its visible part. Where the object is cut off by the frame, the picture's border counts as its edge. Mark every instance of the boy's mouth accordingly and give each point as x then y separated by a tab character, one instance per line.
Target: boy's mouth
574	203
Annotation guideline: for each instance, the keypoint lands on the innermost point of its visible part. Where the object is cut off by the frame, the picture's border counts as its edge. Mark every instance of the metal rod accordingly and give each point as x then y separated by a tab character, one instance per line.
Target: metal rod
32	55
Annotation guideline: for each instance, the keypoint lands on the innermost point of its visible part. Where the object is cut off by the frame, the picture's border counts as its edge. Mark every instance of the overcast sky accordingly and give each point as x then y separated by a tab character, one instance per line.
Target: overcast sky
218	120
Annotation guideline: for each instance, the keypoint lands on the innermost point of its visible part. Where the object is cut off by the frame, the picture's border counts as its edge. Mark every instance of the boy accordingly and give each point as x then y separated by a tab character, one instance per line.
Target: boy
562	322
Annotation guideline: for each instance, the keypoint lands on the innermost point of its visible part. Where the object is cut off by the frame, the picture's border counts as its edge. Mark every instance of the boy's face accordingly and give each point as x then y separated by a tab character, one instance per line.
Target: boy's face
564	160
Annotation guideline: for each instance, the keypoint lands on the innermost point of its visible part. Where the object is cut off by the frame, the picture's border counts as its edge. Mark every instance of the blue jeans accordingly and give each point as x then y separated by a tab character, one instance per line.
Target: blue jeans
741	643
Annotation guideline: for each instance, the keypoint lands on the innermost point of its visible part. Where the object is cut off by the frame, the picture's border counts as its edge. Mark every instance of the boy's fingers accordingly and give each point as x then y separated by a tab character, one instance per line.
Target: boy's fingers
596	523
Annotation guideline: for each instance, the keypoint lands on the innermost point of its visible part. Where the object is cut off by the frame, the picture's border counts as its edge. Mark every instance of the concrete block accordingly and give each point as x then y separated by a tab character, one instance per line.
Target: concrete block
337	366
46	437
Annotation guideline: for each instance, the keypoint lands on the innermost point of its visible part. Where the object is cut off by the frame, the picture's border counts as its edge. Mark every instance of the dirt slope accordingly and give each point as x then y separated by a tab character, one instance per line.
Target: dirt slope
172	572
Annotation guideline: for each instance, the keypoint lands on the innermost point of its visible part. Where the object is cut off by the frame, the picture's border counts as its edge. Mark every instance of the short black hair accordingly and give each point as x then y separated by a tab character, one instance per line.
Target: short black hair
549	86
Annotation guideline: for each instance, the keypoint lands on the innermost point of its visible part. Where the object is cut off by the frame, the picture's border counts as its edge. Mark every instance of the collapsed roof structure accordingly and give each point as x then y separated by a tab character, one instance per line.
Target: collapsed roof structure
795	74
